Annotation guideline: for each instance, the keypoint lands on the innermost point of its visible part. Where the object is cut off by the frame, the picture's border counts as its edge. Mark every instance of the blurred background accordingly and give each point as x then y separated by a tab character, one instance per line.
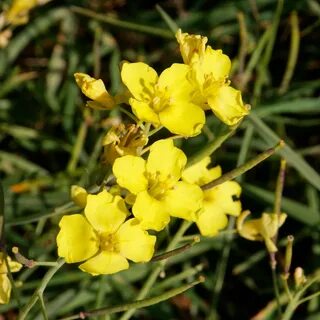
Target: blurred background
49	141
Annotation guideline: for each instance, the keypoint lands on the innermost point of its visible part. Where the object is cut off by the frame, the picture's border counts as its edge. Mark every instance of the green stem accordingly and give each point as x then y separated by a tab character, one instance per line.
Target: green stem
312	296
43	307
167	19
173	252
123	24
228	234
39	291
265	60
276	287
243	168
155	273
295	302
130	115
78	146
212	146
64	209
254	59
279	187
293	53
2	216
136	304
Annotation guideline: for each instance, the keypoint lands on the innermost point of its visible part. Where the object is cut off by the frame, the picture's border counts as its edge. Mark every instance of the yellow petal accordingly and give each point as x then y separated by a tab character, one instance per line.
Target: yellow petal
79	196
227	105
170	77
105	212
130	173
165	161
135	243
249	229
140	79
18	12
5	289
211	220
94	89
213	64
184	200
270	223
150	212
76	239
191	45
183	118
224	196
143	111
199	174
105	263
14	265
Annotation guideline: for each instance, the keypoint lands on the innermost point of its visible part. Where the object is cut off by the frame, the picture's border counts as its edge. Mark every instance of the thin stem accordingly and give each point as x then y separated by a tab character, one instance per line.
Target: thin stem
243	168
123	24
286	287
279	187
312	296
39	291
228	234
212	146
167	19
155	273
136	304
64	209
174	252
295	302
276	286
2	216
293	53
243	49
43	307
129	114
78	146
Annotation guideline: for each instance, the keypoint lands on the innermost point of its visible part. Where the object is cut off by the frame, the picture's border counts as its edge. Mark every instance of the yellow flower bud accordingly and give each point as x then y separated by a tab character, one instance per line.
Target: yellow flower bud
96	91
262	229
122	140
79	196
191	46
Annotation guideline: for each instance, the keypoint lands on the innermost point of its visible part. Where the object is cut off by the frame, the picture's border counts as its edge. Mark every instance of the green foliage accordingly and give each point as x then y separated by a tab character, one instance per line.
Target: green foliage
49	141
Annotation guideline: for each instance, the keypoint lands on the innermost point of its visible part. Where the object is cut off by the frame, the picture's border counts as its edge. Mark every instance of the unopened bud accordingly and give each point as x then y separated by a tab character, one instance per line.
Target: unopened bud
299	277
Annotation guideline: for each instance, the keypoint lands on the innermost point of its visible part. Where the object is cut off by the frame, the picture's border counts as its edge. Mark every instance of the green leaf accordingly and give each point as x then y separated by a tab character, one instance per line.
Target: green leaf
295	209
292	157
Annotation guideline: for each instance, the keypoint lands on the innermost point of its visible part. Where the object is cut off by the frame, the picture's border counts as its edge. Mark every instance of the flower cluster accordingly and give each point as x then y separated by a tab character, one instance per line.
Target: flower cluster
151	184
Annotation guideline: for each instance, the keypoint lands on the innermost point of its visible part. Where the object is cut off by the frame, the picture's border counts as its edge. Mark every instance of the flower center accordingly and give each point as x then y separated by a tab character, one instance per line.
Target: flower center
161	99
158	185
109	243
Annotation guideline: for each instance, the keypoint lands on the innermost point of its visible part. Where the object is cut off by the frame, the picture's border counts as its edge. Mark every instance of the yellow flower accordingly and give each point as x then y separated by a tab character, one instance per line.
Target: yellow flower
101	238
79	196
217	202
18	13
208	75
262	229
5	284
163	100
155	182
95	90
122	140
191	46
